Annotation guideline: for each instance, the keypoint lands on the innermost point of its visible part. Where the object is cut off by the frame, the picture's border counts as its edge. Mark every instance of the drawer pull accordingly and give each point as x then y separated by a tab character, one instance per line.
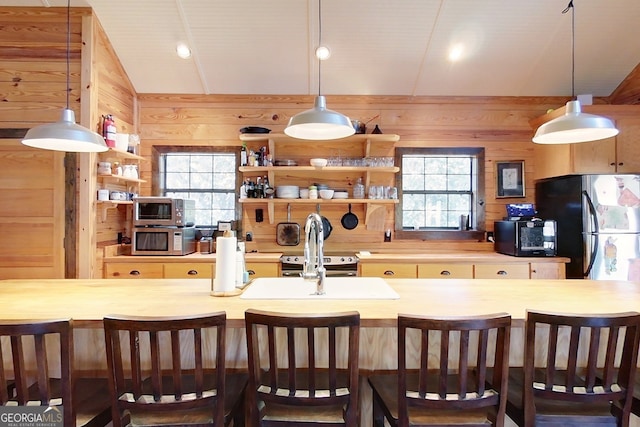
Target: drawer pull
192	272
251	272
445	273
501	273
388	273
134	273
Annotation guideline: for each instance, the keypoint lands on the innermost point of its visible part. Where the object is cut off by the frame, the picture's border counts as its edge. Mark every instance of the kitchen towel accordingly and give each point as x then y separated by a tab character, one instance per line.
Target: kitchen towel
225	279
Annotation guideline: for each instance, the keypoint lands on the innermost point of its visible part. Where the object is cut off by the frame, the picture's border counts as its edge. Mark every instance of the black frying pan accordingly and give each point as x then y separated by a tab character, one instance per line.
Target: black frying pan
349	220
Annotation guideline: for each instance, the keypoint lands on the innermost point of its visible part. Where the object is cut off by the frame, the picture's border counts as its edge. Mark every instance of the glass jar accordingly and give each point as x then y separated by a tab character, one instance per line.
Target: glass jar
104	168
130	171
313	192
358	189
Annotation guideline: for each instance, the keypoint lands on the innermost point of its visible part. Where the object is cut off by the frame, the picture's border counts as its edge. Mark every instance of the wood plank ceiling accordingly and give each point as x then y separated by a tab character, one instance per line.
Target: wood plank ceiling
379	47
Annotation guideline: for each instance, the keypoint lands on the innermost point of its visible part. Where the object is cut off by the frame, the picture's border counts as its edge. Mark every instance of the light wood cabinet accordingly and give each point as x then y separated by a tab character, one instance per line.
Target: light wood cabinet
620	154
445	271
263	269
501	271
548	270
404	271
189	270
133	270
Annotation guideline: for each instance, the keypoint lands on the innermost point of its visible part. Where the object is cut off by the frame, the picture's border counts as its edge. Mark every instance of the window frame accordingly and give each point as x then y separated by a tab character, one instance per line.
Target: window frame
158	181
478	199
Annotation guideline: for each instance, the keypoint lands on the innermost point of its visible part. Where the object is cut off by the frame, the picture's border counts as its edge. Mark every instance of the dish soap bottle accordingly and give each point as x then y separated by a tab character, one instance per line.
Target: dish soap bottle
358	189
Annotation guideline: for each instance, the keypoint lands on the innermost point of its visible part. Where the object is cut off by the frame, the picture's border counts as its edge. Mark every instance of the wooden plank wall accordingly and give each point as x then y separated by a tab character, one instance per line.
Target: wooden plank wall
33	85
500	125
33	48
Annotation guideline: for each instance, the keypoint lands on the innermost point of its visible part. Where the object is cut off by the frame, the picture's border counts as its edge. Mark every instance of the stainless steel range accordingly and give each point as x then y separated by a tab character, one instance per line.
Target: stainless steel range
336	265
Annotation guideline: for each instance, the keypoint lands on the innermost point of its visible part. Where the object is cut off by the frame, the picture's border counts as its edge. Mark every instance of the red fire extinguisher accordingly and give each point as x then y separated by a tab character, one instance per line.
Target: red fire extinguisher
109	130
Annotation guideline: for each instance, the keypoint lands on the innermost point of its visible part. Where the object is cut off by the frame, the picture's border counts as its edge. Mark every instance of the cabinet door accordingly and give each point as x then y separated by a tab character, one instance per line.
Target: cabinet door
194	270
501	271
445	271
548	270
627	147
409	271
594	156
263	269
138	270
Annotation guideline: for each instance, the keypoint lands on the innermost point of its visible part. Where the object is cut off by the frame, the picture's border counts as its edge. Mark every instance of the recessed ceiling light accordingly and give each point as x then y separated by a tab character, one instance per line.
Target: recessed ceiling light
322	53
183	51
455	53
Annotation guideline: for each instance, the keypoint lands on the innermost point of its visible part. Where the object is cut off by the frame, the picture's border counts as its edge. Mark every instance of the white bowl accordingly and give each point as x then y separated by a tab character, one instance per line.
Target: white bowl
319	163
326	194
304	193
340	195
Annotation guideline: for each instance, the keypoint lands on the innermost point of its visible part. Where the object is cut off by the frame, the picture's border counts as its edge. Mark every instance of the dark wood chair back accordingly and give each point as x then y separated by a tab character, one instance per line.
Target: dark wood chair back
302	361
168	370
40	371
579	359
474	344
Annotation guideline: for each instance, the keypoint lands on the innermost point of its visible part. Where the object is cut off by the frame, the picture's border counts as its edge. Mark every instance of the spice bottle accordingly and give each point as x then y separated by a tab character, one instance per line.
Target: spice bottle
313	192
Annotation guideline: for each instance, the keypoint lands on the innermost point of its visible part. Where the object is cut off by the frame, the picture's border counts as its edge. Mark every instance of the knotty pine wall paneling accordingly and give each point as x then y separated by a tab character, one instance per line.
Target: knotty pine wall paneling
108	91
33	83
500	125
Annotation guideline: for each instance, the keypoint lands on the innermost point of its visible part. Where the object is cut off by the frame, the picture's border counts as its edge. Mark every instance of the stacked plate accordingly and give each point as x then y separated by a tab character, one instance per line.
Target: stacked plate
341	194
287	192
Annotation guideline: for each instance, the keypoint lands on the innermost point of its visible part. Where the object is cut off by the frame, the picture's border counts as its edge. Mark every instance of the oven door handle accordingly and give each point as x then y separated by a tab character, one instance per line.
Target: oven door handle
330	273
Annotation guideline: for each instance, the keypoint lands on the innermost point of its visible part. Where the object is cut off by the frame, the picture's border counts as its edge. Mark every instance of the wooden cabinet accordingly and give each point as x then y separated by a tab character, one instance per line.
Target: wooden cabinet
395	271
620	154
189	270
501	271
133	270
548	270
280	147
445	271
263	269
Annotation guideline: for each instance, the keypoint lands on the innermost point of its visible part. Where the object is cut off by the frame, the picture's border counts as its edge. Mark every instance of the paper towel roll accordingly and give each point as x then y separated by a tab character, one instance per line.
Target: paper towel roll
225	280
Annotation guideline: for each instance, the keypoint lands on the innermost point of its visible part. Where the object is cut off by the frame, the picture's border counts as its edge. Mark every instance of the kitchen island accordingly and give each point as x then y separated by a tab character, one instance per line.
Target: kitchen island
88	301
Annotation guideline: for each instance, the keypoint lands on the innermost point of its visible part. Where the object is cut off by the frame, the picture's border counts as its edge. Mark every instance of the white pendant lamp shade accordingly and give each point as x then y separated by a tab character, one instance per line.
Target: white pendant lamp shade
65	135
319	123
575	126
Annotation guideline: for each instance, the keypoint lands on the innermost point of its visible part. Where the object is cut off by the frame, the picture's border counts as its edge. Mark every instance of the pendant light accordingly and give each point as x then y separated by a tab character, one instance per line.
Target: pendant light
319	122
65	134
575	126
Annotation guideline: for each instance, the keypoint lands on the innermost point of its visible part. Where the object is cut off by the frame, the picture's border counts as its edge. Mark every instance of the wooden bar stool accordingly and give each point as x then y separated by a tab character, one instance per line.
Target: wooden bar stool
578	370
46	347
447	386
310	373
170	371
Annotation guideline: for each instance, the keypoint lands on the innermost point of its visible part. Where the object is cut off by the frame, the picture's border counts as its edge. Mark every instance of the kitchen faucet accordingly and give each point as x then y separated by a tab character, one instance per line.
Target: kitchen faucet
313	253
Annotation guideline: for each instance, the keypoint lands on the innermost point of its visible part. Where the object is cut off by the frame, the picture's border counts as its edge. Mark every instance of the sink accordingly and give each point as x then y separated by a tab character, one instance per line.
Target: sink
335	288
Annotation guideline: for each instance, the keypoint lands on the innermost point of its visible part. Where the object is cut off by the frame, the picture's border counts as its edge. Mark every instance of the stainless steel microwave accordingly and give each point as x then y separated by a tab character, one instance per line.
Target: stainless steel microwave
526	237
163	211
163	240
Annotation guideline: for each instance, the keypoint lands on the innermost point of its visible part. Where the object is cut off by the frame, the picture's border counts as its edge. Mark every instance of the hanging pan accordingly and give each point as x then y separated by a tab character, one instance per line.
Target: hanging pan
349	220
288	233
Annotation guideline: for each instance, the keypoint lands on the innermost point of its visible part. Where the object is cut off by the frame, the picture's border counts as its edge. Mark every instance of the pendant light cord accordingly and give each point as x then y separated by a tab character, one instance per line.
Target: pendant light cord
319	44
571	8
68	50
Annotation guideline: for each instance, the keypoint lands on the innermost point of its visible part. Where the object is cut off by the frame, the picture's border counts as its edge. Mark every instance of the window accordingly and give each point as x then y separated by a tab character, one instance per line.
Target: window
209	178
437	187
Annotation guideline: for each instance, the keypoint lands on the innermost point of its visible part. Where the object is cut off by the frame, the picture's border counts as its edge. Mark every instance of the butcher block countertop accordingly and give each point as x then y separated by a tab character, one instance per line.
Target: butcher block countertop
88	301
258	257
461	257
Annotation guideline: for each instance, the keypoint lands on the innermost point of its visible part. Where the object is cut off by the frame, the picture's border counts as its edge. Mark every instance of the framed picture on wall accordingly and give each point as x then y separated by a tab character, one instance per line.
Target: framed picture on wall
510	179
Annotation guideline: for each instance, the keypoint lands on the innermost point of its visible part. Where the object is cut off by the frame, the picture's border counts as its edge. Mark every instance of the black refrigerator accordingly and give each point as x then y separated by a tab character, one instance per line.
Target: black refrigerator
598	218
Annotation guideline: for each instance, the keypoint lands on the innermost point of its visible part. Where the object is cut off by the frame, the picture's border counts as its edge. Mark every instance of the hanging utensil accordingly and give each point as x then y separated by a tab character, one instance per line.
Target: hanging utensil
288	233
349	220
